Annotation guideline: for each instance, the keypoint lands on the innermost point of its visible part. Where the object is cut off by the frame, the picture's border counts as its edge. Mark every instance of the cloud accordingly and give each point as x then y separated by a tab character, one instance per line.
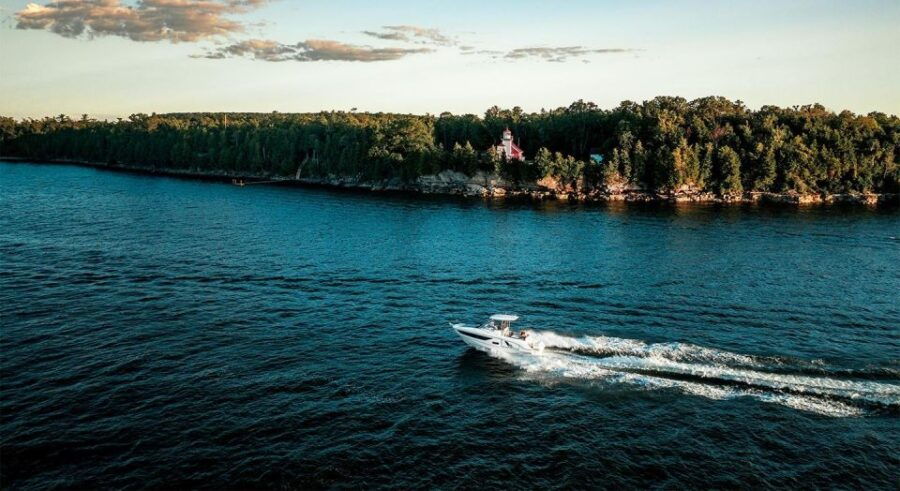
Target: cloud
421	35
148	20
552	54
389	36
487	52
259	49
309	50
562	53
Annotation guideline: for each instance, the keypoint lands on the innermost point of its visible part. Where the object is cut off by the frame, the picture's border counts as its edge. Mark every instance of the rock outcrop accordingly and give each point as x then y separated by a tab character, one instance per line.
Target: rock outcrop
484	185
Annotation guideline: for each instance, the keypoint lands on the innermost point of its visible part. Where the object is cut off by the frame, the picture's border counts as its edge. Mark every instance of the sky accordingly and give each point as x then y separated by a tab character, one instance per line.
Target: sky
112	58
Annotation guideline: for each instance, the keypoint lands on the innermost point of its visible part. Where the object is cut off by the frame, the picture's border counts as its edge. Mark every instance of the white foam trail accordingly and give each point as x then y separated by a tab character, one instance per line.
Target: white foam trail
871	391
652	366
675	351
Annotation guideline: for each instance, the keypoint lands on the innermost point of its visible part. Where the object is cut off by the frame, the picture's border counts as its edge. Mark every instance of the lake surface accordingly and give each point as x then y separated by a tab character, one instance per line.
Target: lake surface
159	332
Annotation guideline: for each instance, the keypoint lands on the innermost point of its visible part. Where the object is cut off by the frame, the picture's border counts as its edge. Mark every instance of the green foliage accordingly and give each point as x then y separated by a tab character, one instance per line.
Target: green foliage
464	159
567	169
662	144
730	165
544	162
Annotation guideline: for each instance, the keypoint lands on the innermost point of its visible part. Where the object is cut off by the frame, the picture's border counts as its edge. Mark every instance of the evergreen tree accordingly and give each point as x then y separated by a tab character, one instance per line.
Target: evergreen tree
730	165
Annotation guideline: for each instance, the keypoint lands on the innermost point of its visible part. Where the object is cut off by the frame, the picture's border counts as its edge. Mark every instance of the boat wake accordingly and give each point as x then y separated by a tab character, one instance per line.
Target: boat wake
716	374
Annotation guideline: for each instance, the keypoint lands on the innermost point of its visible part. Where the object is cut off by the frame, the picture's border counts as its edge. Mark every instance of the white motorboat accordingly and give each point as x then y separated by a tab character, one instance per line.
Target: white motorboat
497	336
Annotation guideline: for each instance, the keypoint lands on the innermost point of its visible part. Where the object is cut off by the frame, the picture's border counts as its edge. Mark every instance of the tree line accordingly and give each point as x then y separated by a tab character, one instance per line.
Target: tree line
667	143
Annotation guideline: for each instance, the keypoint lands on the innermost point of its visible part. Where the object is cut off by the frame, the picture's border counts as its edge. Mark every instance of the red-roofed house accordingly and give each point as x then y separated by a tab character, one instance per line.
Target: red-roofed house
508	148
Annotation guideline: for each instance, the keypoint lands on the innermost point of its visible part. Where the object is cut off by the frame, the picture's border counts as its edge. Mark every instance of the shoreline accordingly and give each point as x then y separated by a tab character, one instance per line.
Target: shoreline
453	184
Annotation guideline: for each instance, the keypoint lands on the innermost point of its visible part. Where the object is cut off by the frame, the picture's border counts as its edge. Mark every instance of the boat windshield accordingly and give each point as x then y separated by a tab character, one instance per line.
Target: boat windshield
501	322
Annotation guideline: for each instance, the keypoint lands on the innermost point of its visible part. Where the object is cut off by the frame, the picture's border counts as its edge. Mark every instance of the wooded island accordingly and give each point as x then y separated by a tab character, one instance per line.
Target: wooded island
665	147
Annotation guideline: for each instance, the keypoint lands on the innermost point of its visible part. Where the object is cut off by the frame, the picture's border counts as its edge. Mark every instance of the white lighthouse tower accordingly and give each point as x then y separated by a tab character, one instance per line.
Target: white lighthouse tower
509	149
507	142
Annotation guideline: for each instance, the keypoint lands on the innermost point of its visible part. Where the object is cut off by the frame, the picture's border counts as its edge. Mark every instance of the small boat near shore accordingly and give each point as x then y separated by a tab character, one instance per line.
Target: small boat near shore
497	335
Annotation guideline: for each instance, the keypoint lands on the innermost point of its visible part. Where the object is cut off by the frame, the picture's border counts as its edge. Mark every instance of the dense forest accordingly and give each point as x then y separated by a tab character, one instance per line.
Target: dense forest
664	144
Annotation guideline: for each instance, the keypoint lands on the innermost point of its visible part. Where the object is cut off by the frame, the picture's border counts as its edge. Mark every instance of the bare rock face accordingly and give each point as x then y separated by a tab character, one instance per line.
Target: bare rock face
732	198
452	177
788	198
395	184
452	182
445	182
488	185
868	199
550	183
474	189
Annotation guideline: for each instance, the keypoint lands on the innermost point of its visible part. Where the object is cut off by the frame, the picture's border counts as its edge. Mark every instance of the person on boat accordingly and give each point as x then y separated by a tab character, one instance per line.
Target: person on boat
523	334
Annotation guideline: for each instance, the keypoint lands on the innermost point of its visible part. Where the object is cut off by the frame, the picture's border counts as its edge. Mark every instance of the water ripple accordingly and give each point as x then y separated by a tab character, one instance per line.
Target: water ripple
168	333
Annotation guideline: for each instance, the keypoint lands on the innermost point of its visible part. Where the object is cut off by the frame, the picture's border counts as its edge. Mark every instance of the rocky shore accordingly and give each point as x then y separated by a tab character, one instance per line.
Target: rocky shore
490	186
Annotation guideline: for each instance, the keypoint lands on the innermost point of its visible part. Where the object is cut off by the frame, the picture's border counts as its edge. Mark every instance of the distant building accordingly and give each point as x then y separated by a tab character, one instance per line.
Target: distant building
509	149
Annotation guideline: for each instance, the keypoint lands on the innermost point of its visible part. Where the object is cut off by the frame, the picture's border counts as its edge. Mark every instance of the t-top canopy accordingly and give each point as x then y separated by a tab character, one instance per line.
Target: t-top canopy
504	317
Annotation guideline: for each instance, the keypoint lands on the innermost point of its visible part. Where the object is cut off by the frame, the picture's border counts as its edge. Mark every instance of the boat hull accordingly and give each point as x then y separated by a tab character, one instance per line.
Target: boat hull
492	341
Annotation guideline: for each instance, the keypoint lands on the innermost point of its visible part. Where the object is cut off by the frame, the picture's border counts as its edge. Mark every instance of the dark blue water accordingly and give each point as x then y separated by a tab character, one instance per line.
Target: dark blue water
159	332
